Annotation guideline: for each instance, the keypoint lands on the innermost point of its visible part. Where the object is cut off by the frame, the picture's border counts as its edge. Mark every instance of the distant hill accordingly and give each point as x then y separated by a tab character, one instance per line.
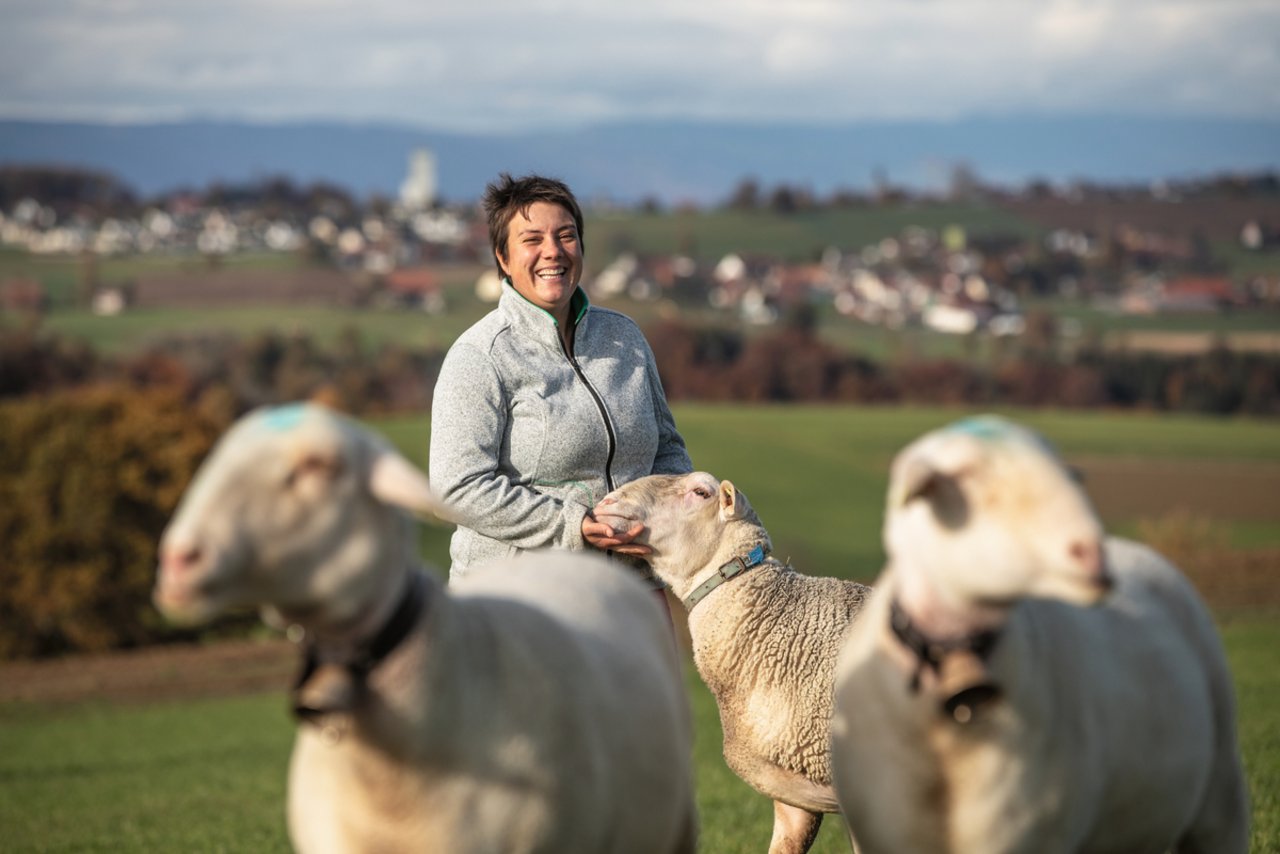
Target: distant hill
671	161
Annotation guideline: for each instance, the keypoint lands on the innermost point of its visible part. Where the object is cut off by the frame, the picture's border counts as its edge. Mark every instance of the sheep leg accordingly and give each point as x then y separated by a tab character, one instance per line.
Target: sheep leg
688	841
853	842
1222	827
794	829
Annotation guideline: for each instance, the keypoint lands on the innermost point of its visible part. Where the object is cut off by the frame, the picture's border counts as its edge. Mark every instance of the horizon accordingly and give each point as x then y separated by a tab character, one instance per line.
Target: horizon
683	162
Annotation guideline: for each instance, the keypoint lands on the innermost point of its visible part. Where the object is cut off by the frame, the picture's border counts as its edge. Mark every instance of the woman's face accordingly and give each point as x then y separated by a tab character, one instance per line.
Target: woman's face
544	257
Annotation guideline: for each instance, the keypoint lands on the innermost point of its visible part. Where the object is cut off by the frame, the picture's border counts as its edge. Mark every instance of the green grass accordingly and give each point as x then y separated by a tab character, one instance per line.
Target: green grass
711	235
776	455
1253	650
135	329
62	275
1244	262
1093	320
209	775
183	776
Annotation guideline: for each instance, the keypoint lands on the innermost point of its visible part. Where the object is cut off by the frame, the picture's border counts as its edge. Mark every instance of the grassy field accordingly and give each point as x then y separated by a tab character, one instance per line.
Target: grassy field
62	275
794	237
134	330
208	774
818	474
375	327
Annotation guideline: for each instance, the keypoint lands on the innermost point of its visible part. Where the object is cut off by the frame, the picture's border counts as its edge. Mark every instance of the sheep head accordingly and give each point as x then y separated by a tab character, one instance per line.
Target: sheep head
291	511
687	521
983	512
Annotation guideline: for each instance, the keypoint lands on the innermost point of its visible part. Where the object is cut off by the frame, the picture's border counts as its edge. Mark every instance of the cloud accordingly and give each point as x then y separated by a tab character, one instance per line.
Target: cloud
498	63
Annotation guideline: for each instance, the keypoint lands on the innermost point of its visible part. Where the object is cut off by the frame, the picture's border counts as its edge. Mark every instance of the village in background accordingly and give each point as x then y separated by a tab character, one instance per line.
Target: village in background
1173	267
1135	250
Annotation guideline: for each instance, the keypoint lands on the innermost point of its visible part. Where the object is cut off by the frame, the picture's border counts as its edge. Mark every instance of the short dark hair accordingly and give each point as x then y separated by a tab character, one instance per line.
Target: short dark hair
507	196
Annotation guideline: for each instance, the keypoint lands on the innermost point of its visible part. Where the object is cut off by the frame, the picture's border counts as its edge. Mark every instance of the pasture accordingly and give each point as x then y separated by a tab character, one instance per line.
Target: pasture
187	749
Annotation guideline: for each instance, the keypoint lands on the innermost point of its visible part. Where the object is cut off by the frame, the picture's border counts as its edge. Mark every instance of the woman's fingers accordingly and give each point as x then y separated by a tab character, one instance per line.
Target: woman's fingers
603	536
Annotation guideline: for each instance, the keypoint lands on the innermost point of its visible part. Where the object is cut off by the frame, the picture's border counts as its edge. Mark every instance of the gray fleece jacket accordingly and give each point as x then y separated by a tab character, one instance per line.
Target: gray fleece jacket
526	438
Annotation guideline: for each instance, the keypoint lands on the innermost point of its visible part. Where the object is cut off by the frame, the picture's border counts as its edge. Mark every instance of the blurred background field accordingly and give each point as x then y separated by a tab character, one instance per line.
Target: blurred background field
1168	415
192	741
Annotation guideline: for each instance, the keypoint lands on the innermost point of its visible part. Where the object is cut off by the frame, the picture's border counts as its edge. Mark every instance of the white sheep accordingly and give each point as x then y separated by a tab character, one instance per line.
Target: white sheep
765	638
1021	683
534	707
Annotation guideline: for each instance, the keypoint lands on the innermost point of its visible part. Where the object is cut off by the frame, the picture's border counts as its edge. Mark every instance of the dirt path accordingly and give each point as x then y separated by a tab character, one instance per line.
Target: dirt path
1124	488
162	673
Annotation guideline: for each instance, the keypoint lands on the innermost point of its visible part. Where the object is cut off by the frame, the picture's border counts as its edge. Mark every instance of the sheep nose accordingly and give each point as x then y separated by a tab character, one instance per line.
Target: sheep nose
1088	554
179	558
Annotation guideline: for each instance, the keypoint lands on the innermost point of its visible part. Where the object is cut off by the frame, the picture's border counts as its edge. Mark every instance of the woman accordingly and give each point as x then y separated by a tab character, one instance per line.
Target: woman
547	403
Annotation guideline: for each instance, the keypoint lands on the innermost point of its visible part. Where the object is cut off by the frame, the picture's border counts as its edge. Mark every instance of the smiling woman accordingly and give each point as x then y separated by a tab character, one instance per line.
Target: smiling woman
543	259
548	403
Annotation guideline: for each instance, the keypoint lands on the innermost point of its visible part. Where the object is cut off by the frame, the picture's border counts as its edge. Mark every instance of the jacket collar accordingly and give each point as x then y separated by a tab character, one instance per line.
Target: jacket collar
537	323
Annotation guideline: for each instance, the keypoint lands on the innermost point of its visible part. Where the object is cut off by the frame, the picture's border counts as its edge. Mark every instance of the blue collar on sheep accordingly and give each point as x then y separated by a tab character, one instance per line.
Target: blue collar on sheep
333	680
738	565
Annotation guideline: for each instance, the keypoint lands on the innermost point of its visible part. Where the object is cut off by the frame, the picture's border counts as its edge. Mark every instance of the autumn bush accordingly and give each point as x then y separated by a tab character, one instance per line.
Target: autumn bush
88	479
1231	579
32	362
706	362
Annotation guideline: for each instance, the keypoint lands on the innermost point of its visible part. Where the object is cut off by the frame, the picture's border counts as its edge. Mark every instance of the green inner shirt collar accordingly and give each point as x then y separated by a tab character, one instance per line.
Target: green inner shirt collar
578	304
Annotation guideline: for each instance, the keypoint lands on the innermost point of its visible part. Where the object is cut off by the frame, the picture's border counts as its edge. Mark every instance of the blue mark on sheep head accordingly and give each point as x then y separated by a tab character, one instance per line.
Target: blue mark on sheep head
993	428
983	427
284	418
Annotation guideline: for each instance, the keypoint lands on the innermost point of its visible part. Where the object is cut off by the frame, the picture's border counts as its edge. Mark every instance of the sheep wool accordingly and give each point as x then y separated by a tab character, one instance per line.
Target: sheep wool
538	706
765	637
1019	681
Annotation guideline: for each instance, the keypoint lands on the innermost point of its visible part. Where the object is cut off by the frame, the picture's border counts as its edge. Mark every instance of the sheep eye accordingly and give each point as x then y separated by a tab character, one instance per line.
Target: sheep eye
702	492
311	466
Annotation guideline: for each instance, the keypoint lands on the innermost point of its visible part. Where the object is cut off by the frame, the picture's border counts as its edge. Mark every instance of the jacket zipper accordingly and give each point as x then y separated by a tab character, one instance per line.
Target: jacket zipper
604	416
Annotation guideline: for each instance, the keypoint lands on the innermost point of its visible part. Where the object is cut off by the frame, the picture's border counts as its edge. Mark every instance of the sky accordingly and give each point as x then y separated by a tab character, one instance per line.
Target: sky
501	65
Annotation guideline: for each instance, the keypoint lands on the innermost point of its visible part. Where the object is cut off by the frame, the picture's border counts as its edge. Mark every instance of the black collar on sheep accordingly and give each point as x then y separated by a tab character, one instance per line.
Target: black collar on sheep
333	680
728	570
959	664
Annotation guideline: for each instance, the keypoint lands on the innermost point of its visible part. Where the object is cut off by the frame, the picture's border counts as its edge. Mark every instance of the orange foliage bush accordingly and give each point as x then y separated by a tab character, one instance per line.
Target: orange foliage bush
88	480
1230	579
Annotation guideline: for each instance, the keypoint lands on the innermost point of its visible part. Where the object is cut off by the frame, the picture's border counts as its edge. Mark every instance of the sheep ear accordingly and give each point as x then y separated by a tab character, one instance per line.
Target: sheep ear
396	481
941	489
729	508
916	479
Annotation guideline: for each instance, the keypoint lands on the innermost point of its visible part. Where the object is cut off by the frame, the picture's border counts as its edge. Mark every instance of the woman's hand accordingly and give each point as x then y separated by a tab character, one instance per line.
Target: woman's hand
602	536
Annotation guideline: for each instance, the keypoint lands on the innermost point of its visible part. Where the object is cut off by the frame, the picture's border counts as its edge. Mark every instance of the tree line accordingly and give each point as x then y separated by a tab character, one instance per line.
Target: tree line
790	364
